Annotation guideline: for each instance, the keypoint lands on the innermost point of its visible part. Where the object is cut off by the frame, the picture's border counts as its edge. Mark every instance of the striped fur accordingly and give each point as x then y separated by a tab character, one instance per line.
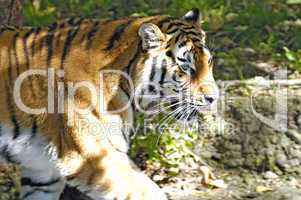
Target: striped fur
166	51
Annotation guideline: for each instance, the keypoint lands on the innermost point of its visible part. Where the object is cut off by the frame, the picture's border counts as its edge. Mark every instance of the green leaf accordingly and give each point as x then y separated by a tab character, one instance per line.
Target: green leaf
289	54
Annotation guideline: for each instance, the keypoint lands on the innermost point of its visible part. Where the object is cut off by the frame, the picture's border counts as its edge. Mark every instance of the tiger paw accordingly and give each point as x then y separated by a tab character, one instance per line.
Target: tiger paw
147	189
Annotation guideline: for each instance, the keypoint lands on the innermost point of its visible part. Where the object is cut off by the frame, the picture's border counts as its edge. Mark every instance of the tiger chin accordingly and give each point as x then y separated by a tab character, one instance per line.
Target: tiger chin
55	145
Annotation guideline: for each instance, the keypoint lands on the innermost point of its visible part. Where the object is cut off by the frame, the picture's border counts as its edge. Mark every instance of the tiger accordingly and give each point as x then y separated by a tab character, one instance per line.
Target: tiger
168	52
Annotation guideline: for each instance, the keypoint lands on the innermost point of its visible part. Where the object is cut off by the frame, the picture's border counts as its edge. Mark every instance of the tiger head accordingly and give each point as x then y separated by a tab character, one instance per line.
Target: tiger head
177	66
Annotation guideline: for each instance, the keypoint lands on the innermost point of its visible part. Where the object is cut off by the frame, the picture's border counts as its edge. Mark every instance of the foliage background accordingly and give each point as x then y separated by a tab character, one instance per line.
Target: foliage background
270	27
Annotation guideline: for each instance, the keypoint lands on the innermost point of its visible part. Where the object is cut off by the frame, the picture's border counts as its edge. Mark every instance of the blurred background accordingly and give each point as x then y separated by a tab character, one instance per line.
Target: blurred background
250	40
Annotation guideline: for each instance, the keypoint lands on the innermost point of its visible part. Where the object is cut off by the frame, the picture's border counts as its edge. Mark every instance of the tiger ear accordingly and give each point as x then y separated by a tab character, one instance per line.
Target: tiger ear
193	16
151	36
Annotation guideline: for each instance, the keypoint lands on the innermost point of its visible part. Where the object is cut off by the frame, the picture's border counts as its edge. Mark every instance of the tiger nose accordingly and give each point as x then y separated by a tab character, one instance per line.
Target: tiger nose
209	99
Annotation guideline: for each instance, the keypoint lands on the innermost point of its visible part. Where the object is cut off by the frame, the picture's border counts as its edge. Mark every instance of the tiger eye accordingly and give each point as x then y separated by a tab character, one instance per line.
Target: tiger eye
180	73
169	54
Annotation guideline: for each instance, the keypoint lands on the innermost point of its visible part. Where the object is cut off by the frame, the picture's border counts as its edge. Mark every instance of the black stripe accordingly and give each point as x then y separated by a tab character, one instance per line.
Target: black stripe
62	25
29	193
170	26
136	55
165	20
34	190
71	21
36	33
25	49
152	47
151	88
70	178
181	59
91	34
9	100
70	36
29	182
49	42
34	127
26	53
117	34
15	53
75	22
197	41
179	25
163	73
182	25
191	33
190	28
16	126
174	77
172	31
177	38
6	154
161	94
141	96
10	68
153	70
182	44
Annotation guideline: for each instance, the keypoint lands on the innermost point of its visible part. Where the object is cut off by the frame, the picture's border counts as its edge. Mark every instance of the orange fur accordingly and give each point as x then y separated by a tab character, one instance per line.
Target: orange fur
92	47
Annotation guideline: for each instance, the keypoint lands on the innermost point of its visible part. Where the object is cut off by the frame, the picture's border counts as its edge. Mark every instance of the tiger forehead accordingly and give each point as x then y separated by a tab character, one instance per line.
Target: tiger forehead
183	33
184	28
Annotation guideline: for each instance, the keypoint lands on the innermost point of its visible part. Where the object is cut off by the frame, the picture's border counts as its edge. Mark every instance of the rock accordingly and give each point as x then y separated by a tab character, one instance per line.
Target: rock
294	135
206	154
266	66
294	162
261	188
270	175
281	160
296	153
283	193
234	163
298	120
256	145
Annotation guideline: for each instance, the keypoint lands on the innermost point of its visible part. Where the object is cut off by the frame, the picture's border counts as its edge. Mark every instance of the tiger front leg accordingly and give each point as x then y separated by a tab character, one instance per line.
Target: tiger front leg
115	178
103	172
